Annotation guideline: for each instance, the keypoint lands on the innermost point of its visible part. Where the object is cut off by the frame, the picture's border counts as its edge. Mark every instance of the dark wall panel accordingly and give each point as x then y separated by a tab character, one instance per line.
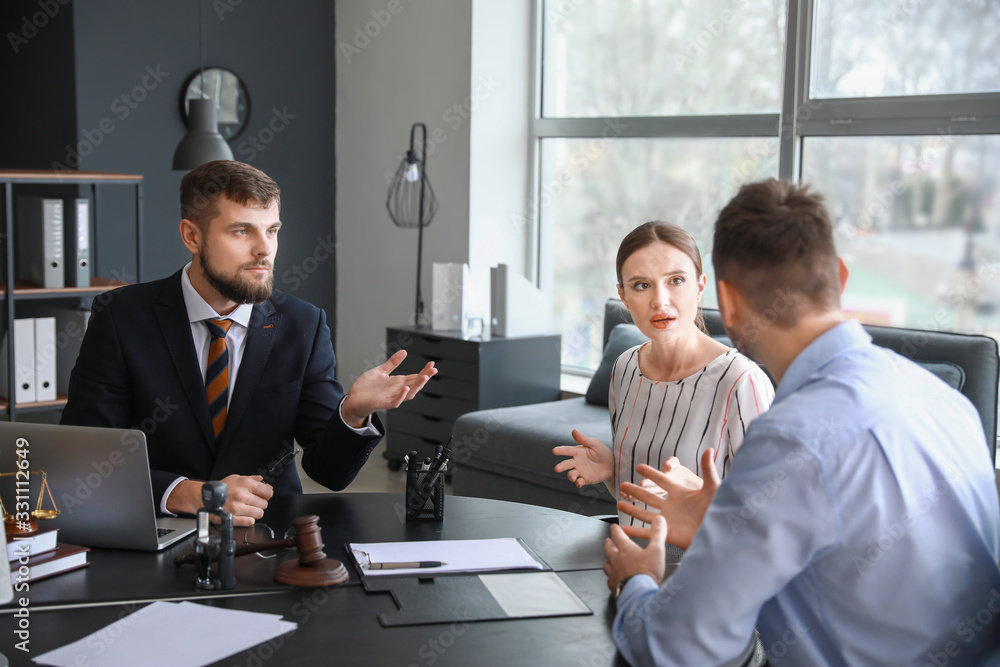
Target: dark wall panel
38	109
131	60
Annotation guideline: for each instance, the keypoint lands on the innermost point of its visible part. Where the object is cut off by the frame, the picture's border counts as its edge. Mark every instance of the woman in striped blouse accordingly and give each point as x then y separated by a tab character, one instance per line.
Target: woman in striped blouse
678	395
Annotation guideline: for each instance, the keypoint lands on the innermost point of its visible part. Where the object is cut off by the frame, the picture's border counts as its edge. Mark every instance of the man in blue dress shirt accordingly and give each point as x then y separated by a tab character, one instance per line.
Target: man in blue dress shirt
859	524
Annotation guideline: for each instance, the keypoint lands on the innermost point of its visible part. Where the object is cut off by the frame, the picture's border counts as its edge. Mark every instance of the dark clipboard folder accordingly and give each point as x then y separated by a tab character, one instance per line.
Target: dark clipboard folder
464	597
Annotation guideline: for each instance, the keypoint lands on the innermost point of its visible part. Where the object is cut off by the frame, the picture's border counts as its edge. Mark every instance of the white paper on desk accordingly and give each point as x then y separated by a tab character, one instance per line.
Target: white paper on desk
533	594
502	553
170	634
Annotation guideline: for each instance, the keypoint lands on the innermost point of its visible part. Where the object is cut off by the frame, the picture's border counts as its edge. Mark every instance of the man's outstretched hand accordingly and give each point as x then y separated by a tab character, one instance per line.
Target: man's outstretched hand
376	389
625	558
683	506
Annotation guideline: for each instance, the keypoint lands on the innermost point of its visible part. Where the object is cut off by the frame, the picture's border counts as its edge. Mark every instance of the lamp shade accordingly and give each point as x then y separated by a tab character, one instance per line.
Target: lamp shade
202	143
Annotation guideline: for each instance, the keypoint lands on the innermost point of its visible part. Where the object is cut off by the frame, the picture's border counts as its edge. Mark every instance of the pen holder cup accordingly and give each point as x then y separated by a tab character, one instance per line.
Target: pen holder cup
425	495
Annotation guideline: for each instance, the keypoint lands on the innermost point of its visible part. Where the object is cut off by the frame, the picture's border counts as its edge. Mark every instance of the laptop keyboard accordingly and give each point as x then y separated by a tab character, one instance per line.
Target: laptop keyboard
160	532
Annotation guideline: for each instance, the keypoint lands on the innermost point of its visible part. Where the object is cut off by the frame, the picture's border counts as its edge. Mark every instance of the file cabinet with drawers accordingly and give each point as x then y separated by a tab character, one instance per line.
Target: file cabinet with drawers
473	374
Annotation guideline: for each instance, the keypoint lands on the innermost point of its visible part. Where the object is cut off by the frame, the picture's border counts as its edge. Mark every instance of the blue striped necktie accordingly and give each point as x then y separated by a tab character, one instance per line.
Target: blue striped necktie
217	375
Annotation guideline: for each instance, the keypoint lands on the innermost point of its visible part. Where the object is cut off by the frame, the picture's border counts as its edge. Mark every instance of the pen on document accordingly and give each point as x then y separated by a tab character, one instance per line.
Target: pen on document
421	564
280	464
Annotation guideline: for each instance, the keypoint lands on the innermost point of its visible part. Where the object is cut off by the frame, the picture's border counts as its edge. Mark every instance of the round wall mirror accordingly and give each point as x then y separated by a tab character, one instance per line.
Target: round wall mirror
223	86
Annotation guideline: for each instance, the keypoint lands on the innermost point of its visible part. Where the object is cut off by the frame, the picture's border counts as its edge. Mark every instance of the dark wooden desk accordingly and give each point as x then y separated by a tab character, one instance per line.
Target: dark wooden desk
564	541
339	624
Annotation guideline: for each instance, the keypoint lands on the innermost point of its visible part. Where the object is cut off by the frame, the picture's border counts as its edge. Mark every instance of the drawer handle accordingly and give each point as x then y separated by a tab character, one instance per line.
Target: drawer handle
428	394
432	357
431	419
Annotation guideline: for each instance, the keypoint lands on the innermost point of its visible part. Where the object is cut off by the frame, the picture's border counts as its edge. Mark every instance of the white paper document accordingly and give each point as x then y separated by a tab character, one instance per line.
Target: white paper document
503	553
170	634
533	594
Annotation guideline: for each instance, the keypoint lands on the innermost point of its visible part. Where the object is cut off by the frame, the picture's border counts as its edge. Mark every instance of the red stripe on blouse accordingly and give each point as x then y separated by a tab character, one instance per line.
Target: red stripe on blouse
725	415
622	443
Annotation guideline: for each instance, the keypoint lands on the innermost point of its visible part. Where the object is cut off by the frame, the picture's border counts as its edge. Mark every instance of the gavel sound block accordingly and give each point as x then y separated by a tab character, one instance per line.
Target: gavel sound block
312	568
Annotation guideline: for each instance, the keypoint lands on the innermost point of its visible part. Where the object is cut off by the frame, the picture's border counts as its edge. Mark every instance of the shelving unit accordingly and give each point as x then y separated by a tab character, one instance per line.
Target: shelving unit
11	179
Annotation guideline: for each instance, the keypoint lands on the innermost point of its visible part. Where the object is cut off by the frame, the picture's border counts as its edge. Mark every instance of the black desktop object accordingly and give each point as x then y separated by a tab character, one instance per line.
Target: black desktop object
215	554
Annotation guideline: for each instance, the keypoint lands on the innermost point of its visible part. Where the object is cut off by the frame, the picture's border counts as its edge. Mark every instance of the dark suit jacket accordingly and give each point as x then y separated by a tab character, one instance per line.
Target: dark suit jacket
137	369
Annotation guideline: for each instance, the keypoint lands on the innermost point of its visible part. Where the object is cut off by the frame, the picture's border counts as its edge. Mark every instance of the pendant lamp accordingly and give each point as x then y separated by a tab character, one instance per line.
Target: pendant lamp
202	143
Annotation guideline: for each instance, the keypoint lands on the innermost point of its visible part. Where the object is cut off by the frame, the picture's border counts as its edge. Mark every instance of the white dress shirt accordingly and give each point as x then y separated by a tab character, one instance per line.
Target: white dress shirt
199	311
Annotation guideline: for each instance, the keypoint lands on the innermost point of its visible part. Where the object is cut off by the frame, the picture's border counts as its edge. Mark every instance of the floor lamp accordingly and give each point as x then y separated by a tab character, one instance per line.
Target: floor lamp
411	202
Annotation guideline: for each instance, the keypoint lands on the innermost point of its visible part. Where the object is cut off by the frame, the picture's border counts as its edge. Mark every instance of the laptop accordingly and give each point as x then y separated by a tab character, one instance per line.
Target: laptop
97	479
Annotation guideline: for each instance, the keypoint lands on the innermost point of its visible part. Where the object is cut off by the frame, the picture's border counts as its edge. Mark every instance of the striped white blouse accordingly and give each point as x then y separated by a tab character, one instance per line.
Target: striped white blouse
652	421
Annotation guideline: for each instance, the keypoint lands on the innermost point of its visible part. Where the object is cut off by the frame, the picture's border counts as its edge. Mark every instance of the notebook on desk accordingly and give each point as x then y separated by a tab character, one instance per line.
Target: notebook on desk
97	480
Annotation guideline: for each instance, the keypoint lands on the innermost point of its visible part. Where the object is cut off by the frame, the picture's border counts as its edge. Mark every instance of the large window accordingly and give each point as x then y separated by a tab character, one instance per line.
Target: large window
660	109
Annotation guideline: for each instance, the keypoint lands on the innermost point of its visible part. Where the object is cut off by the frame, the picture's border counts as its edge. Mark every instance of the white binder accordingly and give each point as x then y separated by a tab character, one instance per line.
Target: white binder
24	362
45	358
450	285
517	307
78	243
39	242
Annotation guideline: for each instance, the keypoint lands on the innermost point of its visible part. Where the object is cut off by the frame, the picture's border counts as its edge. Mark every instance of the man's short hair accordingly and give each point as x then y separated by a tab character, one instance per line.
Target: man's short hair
236	181
774	244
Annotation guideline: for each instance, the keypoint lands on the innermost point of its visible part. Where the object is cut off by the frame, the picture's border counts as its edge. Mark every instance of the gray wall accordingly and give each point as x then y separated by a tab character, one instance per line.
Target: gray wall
415	68
285	55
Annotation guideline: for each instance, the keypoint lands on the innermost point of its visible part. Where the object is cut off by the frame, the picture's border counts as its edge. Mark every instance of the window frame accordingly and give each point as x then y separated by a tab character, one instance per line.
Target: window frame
800	117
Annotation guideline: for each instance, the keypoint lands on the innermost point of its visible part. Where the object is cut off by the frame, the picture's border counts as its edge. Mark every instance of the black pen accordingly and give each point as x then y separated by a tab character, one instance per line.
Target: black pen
418	564
279	465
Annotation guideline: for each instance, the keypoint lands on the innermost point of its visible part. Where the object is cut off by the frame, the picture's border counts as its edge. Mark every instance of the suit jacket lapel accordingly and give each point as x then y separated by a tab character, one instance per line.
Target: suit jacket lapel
171	313
261	332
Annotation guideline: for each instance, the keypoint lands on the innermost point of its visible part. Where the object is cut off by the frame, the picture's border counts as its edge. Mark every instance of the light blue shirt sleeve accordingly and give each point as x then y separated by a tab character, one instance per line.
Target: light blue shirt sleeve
772	515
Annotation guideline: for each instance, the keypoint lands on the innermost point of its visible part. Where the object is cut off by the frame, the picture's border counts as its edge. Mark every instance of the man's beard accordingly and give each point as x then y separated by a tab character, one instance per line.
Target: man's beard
745	344
238	289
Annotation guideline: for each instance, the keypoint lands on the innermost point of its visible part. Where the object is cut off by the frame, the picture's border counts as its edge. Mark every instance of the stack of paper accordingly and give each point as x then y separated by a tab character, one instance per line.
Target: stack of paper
503	553
170	634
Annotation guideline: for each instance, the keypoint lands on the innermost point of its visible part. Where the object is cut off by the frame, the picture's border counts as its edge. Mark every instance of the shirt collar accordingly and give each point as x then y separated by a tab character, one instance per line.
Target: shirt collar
198	309
827	347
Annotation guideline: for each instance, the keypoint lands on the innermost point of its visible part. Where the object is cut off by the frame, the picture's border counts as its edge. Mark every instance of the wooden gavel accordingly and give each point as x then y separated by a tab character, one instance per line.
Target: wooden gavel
312	568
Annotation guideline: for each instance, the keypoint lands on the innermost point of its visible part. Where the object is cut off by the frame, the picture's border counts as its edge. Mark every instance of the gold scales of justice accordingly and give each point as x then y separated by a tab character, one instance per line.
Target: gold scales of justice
29	527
